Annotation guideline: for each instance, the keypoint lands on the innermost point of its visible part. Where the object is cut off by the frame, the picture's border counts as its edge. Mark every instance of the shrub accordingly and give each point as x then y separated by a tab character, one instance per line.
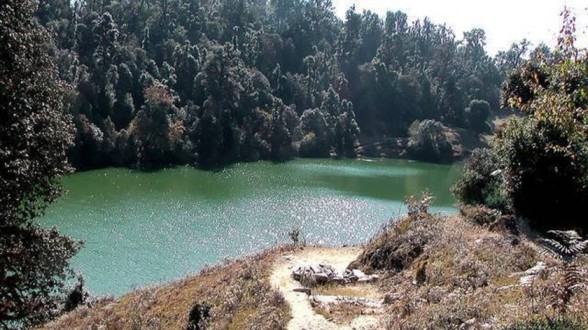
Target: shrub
477	114
543	157
479	215
482	181
546	174
198	317
429	143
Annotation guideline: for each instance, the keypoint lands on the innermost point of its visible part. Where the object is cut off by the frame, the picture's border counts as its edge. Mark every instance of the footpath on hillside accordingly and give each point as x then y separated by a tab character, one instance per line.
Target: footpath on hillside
304	316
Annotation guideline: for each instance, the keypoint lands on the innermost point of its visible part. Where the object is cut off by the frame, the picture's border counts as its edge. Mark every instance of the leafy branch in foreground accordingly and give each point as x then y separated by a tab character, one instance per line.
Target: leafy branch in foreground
542	156
34	137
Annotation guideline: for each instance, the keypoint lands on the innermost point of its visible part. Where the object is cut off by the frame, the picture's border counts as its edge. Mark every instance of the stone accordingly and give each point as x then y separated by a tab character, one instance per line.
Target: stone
538	268
308	291
390	298
321	278
324	274
358	273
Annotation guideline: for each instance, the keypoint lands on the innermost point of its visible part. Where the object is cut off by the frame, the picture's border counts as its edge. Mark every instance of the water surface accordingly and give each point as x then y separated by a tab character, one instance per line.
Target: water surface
144	228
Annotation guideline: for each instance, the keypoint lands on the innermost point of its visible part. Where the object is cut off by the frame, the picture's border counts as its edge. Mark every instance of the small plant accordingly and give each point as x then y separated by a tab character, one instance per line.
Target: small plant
198	317
566	246
295	235
76	295
418	206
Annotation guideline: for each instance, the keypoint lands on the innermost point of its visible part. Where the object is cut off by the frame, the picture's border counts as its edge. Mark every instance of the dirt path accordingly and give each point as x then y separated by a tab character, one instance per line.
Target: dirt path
303	315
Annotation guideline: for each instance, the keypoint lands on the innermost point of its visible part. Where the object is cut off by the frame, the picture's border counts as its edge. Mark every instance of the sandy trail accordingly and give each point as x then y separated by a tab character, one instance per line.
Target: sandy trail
303	316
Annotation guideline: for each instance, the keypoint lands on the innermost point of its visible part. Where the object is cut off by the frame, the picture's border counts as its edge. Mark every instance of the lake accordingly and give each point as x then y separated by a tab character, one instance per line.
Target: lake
142	228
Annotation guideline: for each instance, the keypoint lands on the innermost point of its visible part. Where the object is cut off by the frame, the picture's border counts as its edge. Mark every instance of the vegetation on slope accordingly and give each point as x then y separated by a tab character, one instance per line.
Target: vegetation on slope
537	167
477	270
469	272
160	82
234	295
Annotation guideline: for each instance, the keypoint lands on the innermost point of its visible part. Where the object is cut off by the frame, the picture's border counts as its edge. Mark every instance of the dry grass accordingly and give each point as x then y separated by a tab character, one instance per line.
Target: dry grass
342	314
436	273
238	293
461	275
358	290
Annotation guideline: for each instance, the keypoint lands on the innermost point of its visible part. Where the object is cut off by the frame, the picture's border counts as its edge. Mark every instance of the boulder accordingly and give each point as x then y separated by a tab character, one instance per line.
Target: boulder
303	290
325	274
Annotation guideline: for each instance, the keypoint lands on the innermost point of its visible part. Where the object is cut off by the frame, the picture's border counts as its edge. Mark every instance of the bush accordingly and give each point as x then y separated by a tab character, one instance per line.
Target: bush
429	143
198	317
533	171
477	114
479	215
546	174
482	181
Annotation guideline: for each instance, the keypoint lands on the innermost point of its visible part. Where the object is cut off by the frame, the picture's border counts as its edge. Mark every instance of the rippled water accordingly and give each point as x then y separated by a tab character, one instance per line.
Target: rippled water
144	228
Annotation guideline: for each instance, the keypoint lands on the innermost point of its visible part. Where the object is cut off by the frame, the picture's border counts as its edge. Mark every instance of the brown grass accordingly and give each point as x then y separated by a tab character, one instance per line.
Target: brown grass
358	290
465	274
436	273
238	293
342	314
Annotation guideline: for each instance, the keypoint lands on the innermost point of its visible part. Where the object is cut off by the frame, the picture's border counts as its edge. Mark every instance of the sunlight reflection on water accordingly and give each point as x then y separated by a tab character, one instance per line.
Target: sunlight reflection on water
144	228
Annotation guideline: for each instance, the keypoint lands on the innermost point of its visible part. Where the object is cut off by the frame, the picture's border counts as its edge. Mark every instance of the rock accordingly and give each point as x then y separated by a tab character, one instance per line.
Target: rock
321	278
368	279
530	274
390	298
325	274
358	273
538	268
308	291
338	279
320	300
469	324
526	280
315	268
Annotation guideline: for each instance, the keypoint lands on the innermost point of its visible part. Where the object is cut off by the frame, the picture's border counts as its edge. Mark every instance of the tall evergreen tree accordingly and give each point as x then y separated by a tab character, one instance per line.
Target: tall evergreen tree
34	136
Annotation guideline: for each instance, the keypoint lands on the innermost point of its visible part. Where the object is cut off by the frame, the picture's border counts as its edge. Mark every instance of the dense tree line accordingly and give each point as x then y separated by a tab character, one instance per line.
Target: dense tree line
211	82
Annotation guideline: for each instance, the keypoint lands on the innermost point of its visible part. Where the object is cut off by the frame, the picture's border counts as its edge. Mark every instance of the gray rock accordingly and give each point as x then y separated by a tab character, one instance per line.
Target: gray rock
303	290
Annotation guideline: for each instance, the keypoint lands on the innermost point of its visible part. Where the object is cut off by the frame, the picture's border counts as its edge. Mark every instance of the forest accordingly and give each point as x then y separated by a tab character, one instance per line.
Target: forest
154	83
207	83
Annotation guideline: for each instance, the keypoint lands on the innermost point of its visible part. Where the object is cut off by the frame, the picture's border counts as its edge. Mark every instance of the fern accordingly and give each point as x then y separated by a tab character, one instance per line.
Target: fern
566	246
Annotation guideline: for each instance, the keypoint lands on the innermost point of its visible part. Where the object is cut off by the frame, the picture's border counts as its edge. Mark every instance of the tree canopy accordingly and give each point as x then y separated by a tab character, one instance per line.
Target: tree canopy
248	80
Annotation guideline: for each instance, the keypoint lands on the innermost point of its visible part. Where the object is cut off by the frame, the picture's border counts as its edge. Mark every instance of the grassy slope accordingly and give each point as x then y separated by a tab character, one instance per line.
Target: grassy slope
437	273
238	292
449	273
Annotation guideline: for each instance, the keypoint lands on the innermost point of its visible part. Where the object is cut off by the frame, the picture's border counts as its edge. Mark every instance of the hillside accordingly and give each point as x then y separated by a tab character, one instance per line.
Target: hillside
471	271
209	83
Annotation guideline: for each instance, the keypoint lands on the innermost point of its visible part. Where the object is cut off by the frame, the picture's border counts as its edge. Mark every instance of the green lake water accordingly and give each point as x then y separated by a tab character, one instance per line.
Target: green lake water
142	228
